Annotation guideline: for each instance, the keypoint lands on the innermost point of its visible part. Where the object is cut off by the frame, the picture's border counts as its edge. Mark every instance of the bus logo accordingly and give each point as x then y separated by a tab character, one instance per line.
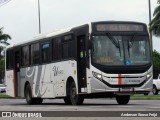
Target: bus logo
56	71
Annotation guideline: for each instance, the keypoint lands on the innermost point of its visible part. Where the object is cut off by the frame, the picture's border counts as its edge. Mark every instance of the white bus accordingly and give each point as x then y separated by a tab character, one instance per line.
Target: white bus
100	59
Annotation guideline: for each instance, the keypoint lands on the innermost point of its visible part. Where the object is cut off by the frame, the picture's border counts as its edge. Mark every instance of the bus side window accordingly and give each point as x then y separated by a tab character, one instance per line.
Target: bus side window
45	52
9	59
68	47
56	49
25	55
35	56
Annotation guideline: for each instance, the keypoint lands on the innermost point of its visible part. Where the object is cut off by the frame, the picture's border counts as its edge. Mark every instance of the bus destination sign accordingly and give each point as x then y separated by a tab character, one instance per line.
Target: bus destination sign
119	27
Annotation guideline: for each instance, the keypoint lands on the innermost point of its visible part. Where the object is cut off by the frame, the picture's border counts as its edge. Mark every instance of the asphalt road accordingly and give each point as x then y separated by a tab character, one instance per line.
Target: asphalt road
98	105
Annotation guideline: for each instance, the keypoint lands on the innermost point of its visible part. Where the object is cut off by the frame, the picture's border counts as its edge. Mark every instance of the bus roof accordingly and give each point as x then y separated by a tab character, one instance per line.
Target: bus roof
61	31
41	36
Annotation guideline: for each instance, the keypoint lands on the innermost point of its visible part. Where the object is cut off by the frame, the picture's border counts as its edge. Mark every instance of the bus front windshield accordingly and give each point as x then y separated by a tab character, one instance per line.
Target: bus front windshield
117	50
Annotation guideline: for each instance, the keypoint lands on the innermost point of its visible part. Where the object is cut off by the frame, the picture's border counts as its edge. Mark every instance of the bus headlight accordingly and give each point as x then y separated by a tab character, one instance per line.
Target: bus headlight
97	75
149	75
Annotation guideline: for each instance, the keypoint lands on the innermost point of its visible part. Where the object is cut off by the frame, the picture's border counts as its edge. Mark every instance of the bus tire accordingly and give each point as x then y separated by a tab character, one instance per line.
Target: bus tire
28	95
146	94
154	90
75	98
67	100
37	100
122	99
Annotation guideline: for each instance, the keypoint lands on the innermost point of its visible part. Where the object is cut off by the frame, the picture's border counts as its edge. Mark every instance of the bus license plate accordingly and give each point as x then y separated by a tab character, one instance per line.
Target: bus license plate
126	89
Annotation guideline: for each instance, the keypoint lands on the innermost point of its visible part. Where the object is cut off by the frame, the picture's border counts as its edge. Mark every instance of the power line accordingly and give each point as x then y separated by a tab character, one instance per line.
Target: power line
3	2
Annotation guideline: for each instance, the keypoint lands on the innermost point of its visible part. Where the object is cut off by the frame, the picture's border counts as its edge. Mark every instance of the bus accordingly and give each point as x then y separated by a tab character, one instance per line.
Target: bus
101	59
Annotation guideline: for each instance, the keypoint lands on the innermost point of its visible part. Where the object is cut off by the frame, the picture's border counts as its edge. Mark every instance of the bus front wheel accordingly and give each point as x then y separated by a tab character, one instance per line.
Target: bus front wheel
75	98
122	99
67	100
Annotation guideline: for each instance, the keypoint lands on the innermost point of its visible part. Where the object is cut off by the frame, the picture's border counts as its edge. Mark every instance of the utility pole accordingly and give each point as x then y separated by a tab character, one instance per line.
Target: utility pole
39	17
149	6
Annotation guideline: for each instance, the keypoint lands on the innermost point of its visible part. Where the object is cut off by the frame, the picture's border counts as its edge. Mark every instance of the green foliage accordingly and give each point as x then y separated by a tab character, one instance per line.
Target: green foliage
3	95
3	42
156	64
4	37
2	69
154	25
2	64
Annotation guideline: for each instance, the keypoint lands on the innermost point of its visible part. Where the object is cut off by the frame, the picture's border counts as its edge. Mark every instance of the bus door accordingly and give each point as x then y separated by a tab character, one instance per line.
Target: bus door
81	59
17	72
81	35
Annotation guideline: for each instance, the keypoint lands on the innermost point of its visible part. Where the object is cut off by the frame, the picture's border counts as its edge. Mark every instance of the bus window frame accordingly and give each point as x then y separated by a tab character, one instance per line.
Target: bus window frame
21	52
12	66
62	41
41	44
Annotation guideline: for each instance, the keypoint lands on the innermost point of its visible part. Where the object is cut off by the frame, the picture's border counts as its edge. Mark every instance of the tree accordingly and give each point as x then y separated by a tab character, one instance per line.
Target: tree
4	37
3	43
154	25
2	69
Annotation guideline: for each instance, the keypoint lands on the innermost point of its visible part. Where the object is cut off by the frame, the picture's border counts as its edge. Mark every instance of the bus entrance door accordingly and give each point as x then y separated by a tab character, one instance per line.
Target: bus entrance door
81	61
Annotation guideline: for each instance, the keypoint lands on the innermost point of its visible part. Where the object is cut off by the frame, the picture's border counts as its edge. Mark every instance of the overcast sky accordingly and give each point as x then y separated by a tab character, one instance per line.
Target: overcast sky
20	17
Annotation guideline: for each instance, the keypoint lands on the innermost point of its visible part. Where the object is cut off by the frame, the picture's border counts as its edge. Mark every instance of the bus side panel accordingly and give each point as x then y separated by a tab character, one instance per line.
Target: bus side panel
60	72
10	88
26	75
57	78
39	80
46	87
71	71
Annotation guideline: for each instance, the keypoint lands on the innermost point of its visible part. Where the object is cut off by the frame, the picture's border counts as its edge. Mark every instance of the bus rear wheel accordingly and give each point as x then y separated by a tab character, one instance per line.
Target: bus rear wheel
75	98
28	95
122	99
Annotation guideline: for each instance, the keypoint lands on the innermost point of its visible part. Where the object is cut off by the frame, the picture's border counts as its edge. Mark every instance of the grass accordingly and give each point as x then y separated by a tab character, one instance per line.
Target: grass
145	96
3	95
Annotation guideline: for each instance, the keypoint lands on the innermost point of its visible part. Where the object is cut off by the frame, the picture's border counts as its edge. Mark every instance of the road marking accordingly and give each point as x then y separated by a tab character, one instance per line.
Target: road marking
154	107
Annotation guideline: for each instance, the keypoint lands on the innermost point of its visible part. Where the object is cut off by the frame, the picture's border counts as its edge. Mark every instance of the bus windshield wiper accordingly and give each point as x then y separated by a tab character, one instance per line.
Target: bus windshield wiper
130	43
114	41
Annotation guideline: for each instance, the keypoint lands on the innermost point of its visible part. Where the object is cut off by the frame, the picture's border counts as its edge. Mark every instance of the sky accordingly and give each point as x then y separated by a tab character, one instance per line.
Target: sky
20	17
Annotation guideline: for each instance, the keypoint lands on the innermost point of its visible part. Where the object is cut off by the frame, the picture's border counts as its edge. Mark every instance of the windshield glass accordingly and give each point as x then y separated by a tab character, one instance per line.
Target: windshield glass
120	50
